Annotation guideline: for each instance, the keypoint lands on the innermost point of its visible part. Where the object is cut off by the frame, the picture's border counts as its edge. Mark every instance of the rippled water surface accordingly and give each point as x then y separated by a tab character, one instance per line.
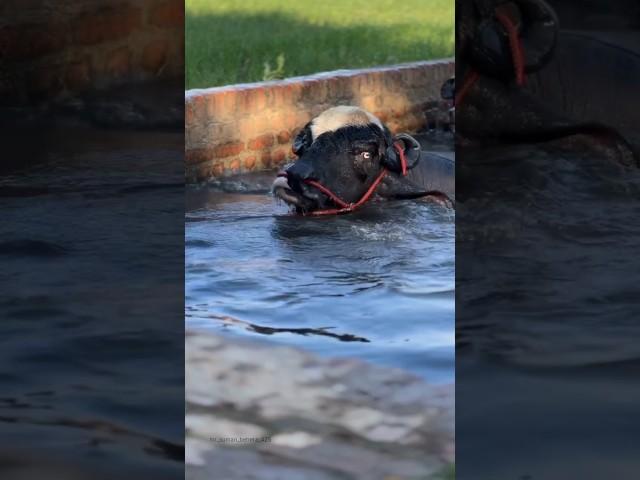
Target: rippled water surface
379	281
553	236
548	315
91	305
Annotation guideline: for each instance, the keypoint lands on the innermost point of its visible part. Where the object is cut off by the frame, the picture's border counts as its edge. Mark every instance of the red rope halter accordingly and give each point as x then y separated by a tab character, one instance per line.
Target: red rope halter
517	55
345	207
515	45
470	79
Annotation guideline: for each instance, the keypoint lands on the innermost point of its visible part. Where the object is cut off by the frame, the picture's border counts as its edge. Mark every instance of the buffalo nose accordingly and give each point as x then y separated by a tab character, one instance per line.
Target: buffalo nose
298	173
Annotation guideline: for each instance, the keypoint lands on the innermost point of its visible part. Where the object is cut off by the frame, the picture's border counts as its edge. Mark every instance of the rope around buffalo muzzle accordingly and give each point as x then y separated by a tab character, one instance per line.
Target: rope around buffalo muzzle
345	207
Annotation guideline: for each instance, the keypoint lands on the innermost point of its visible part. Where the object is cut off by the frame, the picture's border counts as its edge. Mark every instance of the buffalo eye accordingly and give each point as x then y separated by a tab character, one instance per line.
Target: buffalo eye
366	155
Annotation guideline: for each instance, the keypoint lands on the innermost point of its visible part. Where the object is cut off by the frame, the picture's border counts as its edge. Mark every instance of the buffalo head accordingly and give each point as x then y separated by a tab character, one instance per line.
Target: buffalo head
492	35
344	150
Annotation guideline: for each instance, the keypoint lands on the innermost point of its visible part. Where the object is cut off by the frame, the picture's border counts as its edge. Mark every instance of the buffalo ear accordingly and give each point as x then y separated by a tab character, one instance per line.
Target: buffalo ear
303	140
540	39
411	149
490	49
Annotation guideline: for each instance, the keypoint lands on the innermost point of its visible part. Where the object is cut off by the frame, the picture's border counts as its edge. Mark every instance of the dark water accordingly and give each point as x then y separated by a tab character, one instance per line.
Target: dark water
381	280
548	350
91	277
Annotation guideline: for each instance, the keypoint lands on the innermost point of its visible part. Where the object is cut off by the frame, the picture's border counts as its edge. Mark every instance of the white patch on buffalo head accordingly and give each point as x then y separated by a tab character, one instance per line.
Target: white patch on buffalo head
342	116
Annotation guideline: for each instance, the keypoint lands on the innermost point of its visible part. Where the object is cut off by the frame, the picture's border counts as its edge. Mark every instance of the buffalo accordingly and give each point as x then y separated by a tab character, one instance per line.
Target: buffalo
347	156
522	79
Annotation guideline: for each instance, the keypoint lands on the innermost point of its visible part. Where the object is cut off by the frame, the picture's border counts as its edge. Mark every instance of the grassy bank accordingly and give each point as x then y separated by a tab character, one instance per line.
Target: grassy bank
231	41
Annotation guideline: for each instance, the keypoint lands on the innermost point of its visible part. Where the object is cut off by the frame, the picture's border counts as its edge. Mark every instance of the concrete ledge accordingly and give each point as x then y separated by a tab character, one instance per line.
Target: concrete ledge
259	411
248	127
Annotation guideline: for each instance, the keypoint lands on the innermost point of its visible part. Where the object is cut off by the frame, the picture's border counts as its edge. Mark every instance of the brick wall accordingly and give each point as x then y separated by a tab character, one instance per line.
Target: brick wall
56	48
240	128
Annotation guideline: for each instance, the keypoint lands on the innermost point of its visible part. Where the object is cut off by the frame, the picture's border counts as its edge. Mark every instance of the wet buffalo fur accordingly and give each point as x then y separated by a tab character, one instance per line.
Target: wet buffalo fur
346	160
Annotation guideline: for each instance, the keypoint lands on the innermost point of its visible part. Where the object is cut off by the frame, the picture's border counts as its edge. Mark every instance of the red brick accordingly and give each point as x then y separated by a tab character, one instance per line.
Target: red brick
292	92
394	126
319	92
393	79
382	115
282	95
189	116
259	99
214	106
269	97
265	159
365	85
234	165
154	55
118	63
342	87
316	109
332	87
416	77
199	103
414	122
278	96
302	118
229	98
291	121
295	91
168	14
308	88
273	120
228	149
197	108
22	42
375	81
254	100
244	101
198	155
250	162
284	137
361	84
261	142
368	103
278	157
106	25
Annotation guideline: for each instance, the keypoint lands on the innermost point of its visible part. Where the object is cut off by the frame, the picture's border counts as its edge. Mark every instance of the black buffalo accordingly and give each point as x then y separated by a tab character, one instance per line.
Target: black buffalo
522	79
346	152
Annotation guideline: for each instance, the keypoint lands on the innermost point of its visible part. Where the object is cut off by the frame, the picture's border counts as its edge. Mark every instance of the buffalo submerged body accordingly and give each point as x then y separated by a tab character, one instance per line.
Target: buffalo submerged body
524	80
346	156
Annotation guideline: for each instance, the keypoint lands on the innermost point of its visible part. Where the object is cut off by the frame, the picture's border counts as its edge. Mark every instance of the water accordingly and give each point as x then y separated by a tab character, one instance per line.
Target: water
91	304
570	220
381	280
548	306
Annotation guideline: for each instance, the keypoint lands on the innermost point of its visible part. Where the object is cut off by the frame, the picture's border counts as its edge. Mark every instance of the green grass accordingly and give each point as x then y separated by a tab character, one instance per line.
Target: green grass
235	41
449	473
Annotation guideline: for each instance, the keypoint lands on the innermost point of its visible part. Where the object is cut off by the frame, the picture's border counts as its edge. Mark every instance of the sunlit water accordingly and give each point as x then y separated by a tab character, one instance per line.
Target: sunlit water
383	276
